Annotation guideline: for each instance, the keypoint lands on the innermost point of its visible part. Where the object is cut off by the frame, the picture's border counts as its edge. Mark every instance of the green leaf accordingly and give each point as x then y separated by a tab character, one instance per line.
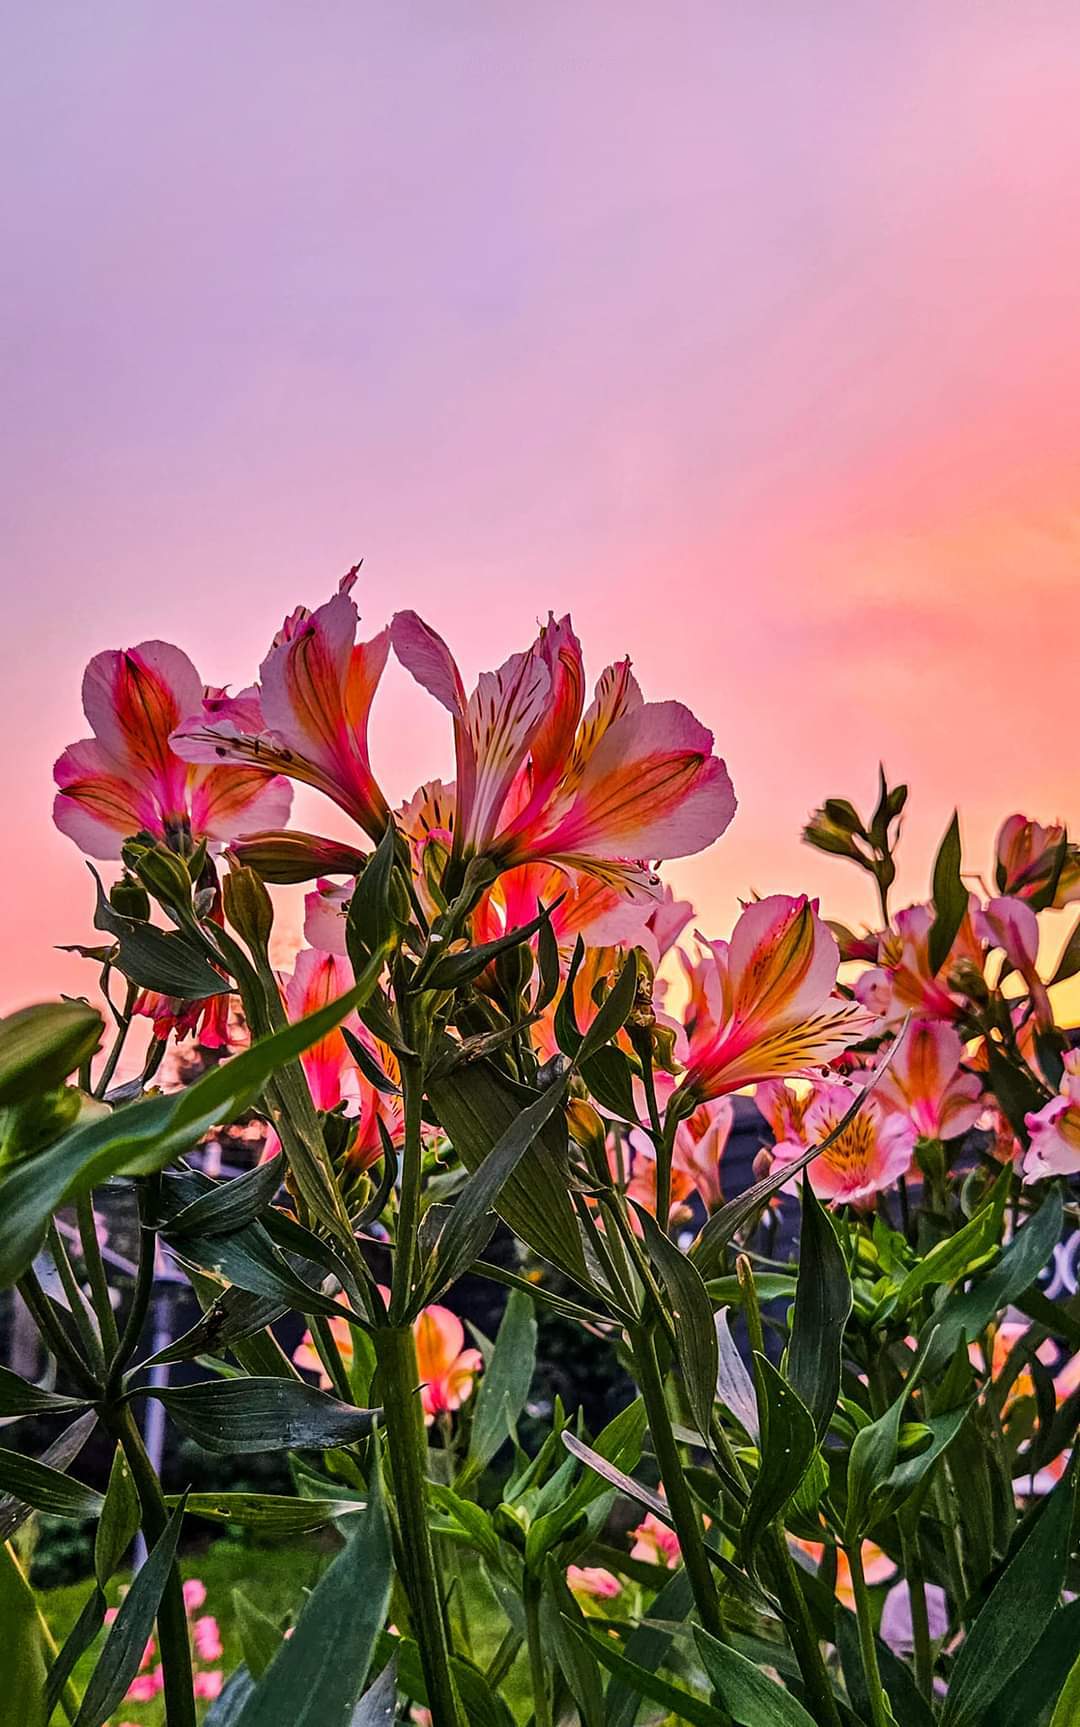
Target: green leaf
504	1385
1015	1614
957	1255
684	1705
909	1707
617	1449
575	1656
647	1647
271	1513
480	1706
458	968
371	927
60	1455
77	1642
788	1442
228	1205
169	961
143	1137
822	1306
19	1397
870	1464
245	1415
950	897
468	1228
317	1676
1067	1711
119	1522
25	1657
250	1261
225	1709
613	1011
905	1476
46	1489
750	1697
476	1105
696	1348
1052	1666
376	1706
232	1315
260	1636
40	1046
963	1317
123	1652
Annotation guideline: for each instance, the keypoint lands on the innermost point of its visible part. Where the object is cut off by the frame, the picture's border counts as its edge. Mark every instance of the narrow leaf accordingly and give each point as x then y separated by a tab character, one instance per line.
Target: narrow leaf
950	897
691	1311
751	1698
123	1652
822	1306
684	1705
46	1489
788	1442
247	1415
19	1397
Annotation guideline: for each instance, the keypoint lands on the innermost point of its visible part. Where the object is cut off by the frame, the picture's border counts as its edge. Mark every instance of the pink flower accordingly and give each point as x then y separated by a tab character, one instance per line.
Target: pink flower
127	778
194	1594
1026	861
903	979
1011	925
307	1357
872	1152
593	1581
655	1543
207	1020
207	1638
538	777
1055	1129
208	1684
784	1109
700	1141
145	1686
761	1004
447	1369
926	1082
308	716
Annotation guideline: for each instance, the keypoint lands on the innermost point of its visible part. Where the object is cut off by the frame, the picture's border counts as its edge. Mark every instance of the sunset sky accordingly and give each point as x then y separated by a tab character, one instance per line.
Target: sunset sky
750	335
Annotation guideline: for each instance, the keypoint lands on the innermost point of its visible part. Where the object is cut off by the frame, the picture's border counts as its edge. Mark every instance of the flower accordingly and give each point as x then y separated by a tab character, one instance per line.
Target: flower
307	717
896	1624
1026	861
207	1638
208	1684
1055	1129
593	1582
538	777
1011	925
783	1109
127	779
700	1141
903	978
760	1004
447	1369
926	1082
194	1594
307	1357
655	1543
206	1020
145	1686
870	1154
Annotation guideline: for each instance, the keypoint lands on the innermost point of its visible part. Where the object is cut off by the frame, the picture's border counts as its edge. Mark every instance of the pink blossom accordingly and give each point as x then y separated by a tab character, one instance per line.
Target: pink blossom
1055	1129
145	1686
539	777
872	1152
1026	860
208	1683
127	779
207	1638
904	980
1011	925
655	1543
762	1004
926	1082
593	1581
447	1369
308	716
700	1141
194	1594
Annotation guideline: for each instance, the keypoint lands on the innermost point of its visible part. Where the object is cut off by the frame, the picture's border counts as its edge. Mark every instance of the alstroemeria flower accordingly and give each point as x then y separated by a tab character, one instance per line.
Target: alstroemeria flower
1055	1129
873	1151
877	1566
926	1082
762	1004
207	1020
784	1109
319	978
447	1369
655	1543
903	980
1011	925
540	778
1026	861
700	1141
127	779
307	717
593	1582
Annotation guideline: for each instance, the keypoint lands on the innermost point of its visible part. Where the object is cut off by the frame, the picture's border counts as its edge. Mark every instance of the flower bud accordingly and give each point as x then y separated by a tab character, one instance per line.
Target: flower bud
286	857
41	1046
162	872
248	907
128	897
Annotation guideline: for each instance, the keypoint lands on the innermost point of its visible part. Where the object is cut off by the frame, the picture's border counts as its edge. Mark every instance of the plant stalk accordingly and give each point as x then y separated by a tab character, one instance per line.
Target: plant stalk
920	1618
880	1712
539	1664
684	1513
399	1378
172	1622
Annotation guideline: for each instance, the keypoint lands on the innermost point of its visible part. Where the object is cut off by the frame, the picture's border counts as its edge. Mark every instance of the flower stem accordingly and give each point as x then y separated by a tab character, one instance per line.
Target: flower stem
920	1618
539	1663
684	1513
800	1630
399	1378
95	1272
880	1713
172	1622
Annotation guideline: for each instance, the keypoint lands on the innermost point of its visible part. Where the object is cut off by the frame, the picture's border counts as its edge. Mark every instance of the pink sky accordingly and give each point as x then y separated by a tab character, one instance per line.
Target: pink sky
748	334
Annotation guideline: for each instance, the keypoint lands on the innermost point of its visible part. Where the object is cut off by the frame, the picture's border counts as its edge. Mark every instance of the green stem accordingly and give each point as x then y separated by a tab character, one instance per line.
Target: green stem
503	1659
81	1311
54	1335
172	1622
684	1512
330	1355
920	1618
95	1272
123	1027
539	1663
880	1712
408	1219
148	1191
399	1378
800	1630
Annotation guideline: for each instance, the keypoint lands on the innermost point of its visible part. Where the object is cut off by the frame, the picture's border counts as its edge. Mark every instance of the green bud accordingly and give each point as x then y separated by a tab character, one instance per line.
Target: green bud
162	872
248	906
41	1046
128	897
